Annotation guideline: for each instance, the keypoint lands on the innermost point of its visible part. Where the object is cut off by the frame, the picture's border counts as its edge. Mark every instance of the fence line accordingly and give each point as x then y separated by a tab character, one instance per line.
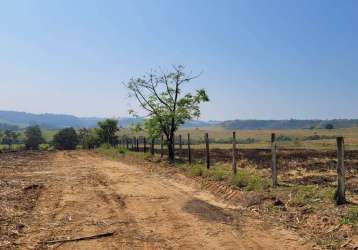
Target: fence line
341	182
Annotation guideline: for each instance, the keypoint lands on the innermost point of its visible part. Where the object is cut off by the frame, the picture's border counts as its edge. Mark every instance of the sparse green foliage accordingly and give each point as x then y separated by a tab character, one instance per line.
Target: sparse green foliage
160	95
89	138
66	139
307	194
33	137
249	181
107	131
9	138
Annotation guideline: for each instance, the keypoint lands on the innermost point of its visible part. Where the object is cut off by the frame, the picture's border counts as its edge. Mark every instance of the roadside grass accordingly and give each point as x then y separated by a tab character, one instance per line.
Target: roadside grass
115	152
14	147
247	179
110	151
301	195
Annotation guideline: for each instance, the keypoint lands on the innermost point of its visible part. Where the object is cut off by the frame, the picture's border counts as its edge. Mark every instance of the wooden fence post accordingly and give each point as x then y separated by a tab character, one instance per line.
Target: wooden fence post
133	141
145	145
189	150
180	143
207	151
127	141
234	160
341	187
137	144
161	146
274	159
152	147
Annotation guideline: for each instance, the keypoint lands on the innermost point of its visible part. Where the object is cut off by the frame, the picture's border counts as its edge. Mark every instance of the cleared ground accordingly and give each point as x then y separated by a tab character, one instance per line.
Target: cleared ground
66	195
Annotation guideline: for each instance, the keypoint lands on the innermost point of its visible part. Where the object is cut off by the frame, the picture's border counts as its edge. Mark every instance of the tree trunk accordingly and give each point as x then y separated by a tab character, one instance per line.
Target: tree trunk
171	151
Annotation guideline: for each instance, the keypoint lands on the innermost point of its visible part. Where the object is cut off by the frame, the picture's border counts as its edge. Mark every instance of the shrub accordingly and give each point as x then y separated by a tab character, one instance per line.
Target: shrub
216	173
241	179
33	137
122	150
249	181
89	138
257	183
66	139
329	126
197	170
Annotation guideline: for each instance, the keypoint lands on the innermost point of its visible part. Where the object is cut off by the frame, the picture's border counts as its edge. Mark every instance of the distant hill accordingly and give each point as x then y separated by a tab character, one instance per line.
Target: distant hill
288	124
10	119
14	119
55	121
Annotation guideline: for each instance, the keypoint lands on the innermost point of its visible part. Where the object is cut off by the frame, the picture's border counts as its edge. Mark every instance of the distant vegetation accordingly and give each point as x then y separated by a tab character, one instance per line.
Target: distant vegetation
66	139
33	137
5	126
16	120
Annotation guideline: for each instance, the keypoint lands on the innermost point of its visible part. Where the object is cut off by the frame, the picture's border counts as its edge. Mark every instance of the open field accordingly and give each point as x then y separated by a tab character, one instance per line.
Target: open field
66	195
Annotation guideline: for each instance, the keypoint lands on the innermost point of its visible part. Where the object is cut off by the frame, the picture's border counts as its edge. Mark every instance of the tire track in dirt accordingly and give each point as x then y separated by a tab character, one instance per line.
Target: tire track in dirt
88	194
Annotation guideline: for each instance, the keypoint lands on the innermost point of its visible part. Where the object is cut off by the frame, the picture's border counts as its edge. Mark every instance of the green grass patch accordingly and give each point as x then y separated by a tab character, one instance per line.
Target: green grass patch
46	147
303	195
351	217
110	151
249	181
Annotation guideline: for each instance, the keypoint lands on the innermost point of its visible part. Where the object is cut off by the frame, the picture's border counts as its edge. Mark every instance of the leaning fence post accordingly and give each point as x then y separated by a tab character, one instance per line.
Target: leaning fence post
234	161
161	146
341	187
189	150
274	159
152	147
207	151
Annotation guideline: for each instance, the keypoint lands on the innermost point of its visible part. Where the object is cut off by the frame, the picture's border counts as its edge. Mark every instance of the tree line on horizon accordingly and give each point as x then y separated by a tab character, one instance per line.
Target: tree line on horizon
65	139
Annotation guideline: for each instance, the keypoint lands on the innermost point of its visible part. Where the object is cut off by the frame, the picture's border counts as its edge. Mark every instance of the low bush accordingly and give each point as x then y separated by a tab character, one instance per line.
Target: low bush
197	170
216	173
46	147
250	181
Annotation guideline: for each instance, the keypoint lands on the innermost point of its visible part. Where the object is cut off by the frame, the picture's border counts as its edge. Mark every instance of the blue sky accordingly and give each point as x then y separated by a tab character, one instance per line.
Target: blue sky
263	59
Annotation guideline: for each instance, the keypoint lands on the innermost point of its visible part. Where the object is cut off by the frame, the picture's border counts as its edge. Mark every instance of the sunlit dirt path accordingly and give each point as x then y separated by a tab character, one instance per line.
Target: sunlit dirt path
87	194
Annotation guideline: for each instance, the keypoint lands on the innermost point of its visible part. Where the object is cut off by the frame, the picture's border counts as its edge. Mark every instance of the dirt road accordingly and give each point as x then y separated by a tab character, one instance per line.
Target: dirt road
86	194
